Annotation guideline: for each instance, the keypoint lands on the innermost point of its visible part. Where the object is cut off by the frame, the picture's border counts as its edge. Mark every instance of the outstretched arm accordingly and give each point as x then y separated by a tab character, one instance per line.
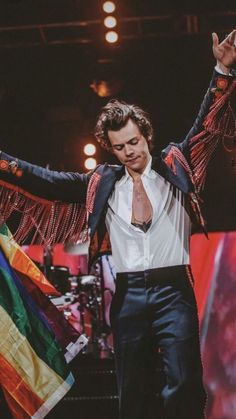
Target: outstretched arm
48	184
51	204
225	55
215	119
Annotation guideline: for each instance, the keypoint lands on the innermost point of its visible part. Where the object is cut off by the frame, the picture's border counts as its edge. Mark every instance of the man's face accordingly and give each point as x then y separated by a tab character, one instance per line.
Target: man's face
130	147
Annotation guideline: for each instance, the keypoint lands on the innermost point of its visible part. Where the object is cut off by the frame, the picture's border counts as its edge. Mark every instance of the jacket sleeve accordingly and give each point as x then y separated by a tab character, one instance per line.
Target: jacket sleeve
51	205
49	184
214	121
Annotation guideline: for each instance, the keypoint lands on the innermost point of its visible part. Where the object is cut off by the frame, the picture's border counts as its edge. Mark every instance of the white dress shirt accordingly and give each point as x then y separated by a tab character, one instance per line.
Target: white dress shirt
166	243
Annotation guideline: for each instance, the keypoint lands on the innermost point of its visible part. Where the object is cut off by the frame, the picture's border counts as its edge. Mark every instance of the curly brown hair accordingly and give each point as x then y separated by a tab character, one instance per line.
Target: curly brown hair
115	115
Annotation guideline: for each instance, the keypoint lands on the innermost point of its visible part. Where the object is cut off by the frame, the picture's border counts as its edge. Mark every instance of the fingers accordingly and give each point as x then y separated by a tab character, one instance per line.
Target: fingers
231	38
215	40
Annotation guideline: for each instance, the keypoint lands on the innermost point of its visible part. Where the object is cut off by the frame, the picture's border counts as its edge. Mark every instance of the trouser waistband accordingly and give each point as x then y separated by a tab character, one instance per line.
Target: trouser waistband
155	276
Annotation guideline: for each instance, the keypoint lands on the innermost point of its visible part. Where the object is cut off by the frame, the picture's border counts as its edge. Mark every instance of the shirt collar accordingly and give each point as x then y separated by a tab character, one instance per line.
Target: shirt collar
148	172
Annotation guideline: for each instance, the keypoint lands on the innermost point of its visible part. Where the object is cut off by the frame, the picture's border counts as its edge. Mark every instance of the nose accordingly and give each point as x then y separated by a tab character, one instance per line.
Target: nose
128	150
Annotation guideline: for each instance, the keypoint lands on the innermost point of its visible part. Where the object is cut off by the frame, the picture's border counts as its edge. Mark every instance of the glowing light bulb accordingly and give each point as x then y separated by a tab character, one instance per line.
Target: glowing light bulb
89	149
109	7
110	22
111	37
90	163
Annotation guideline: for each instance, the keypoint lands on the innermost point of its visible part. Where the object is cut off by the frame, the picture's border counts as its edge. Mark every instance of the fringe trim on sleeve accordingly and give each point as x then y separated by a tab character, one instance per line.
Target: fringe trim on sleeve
49	222
175	154
220	123
91	192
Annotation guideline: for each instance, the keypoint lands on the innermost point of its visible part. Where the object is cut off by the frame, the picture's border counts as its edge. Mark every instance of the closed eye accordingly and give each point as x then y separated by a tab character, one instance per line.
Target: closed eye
132	141
118	147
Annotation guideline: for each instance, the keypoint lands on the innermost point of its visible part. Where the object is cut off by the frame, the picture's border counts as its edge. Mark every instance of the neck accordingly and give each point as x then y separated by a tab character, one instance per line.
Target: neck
135	174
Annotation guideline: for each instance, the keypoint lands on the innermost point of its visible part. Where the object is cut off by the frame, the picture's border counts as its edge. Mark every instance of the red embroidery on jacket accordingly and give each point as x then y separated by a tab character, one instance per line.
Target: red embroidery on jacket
222	83
169	160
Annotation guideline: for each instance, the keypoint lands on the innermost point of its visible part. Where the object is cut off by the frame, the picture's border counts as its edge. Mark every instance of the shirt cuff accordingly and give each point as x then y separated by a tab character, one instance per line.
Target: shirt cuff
218	69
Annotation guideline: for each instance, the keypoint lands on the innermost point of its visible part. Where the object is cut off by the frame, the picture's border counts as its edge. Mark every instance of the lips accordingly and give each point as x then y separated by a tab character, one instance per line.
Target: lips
132	160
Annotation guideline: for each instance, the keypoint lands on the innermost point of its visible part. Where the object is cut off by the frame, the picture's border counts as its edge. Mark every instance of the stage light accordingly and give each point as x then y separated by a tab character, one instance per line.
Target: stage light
109	7
110	22
111	37
89	149
90	163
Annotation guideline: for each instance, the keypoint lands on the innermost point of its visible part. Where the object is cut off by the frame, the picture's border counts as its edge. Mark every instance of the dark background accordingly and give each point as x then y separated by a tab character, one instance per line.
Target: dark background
48	108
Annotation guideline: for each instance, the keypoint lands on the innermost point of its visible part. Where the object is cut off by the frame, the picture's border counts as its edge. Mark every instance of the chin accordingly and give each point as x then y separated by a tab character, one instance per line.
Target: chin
135	167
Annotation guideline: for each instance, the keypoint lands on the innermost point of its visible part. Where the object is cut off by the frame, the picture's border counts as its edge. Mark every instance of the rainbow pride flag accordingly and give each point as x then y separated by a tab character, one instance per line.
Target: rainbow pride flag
36	341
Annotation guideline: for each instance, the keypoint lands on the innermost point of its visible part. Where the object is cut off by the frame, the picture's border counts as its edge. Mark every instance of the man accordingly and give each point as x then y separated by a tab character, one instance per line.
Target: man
144	208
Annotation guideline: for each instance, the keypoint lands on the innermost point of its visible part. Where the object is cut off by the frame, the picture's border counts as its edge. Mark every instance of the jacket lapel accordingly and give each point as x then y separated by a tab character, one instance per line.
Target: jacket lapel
109	175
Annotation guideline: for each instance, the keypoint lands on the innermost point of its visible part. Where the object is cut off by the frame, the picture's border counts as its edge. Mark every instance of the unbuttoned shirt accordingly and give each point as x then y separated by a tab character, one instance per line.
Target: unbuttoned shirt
166	242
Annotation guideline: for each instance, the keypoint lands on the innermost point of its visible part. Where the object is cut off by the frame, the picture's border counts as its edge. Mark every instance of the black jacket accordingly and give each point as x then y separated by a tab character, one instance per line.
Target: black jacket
61	205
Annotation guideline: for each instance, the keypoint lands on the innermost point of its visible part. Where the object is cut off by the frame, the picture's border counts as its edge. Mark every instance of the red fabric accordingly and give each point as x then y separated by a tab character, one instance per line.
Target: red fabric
202	257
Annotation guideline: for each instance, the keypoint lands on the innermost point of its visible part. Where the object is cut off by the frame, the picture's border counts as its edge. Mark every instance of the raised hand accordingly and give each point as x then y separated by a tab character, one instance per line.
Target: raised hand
225	52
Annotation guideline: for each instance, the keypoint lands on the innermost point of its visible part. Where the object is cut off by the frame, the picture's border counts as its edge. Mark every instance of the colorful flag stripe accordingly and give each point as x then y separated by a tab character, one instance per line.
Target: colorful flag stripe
34	373
65	333
16	409
15	348
13	382
28	319
22	263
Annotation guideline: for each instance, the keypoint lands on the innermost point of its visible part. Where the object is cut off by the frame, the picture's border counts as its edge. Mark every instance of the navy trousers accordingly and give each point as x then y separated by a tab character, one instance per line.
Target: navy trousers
152	312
